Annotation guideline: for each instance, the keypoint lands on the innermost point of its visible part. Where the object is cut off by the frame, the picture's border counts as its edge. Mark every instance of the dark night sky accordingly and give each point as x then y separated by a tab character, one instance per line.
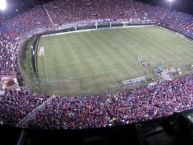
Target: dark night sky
23	5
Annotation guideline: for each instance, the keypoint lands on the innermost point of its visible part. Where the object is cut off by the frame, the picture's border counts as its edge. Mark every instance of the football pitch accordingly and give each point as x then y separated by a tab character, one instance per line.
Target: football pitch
93	62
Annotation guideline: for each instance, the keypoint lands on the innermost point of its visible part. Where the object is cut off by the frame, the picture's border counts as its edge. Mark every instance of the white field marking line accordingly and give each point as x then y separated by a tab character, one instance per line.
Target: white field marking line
87	30
45	66
89	75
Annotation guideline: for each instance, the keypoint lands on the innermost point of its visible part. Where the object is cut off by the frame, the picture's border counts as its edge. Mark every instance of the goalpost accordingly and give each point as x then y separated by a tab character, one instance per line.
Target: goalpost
96	24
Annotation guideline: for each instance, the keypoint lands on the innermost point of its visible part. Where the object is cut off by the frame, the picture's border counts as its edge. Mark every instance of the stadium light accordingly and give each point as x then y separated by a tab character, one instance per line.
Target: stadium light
3	5
170	1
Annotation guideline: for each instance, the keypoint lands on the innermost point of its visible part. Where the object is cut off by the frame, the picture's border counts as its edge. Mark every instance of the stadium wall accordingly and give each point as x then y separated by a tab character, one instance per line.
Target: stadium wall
93	27
25	70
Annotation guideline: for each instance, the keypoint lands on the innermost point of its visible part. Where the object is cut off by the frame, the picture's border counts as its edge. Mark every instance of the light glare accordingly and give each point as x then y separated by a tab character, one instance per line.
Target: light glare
3	5
170	1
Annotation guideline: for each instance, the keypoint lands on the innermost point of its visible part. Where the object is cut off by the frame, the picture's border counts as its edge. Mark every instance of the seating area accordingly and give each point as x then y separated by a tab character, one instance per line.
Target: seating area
78	112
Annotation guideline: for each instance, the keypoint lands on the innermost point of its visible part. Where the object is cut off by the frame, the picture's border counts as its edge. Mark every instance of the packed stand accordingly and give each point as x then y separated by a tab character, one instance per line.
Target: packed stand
89	111
117	108
72	10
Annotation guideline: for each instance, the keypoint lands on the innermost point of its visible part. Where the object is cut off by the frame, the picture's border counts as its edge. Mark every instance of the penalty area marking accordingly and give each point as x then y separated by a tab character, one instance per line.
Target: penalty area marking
89	74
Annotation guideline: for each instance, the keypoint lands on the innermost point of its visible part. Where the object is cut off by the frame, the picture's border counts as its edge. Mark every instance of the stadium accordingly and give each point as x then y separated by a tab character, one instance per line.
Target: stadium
94	64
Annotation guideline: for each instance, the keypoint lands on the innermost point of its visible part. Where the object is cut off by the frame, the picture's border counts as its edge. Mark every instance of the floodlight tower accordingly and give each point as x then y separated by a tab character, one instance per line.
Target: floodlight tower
3	5
170	3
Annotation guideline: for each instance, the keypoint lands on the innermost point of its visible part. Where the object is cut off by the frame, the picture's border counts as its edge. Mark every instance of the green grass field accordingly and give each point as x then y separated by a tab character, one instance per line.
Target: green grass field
96	61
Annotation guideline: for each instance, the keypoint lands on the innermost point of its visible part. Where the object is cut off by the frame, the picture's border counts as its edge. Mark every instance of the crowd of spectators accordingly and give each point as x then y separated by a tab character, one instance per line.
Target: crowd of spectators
72	10
78	112
117	108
